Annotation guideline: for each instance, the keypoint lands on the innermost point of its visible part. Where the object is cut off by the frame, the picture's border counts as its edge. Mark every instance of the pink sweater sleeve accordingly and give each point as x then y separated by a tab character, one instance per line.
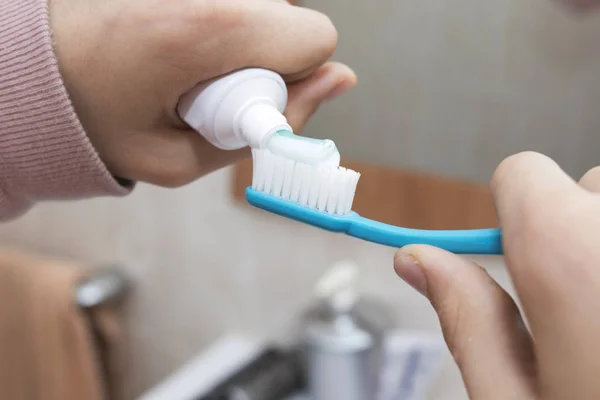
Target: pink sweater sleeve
44	151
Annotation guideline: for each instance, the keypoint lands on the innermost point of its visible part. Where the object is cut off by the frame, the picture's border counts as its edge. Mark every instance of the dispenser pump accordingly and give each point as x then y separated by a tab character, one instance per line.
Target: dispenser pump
338	287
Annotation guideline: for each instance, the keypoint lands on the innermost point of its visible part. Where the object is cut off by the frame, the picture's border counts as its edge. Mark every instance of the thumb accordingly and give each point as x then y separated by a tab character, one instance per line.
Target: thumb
480	321
305	96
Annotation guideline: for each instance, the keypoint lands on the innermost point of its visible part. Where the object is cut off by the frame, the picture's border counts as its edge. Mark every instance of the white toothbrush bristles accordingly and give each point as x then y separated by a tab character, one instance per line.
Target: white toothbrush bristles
328	189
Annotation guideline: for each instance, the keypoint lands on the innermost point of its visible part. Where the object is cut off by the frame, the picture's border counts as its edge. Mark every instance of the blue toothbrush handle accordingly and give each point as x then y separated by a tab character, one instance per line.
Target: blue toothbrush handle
474	241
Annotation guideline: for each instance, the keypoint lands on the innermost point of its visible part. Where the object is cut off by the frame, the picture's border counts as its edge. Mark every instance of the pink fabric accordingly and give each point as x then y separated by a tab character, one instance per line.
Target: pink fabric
44	152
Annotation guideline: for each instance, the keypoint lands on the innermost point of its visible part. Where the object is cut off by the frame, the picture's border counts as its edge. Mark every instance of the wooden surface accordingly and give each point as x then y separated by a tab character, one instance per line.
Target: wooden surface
407	198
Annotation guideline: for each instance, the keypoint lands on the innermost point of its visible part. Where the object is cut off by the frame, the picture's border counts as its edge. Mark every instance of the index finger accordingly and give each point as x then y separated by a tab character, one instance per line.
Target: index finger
530	191
525	183
537	206
292	41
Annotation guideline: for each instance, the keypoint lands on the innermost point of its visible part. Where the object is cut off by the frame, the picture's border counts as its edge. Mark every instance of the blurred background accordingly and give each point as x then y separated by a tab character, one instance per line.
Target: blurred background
446	91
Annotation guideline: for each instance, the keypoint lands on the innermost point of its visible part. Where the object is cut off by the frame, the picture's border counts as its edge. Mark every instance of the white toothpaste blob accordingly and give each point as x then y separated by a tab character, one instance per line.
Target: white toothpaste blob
314	152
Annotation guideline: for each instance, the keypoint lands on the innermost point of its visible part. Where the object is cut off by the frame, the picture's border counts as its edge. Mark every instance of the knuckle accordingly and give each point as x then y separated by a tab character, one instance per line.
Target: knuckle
329	36
183	21
321	38
212	13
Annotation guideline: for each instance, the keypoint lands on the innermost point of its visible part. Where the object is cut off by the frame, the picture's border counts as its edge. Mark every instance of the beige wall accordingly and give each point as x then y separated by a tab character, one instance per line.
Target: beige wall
455	86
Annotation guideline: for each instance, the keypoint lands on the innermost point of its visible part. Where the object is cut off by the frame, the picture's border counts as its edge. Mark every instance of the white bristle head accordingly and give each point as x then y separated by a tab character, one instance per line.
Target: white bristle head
329	189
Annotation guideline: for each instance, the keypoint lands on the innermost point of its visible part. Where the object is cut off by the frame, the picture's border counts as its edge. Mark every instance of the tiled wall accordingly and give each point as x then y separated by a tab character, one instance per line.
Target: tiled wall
455	86
203	265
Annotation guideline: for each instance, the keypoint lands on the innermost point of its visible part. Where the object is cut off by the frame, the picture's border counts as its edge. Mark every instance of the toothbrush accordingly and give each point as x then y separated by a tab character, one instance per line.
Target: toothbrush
322	196
296	177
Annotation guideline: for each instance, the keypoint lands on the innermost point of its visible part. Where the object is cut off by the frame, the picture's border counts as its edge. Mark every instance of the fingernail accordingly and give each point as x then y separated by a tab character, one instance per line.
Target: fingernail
339	90
407	267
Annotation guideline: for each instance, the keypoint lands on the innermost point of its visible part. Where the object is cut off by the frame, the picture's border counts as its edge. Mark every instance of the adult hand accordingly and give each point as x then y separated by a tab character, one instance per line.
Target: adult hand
126	63
551	228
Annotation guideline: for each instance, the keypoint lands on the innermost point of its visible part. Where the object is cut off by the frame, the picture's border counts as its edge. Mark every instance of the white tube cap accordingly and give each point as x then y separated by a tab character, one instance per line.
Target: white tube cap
241	109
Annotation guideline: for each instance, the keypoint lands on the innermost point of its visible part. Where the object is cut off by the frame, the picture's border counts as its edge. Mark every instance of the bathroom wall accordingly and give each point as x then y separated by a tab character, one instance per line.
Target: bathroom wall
453	87
203	266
